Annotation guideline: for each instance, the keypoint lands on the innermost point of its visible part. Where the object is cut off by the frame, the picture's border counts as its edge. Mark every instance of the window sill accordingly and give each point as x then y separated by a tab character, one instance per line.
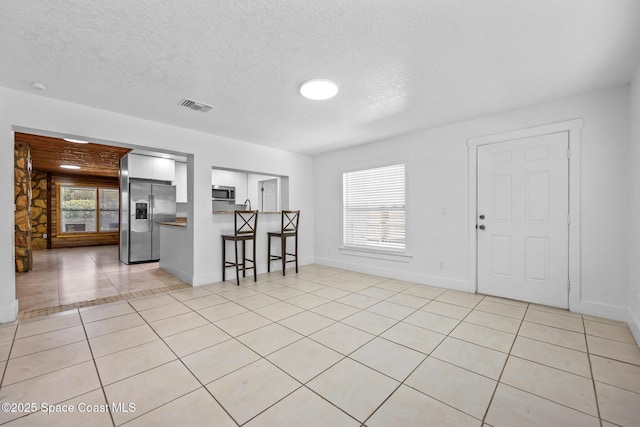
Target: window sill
376	254
86	234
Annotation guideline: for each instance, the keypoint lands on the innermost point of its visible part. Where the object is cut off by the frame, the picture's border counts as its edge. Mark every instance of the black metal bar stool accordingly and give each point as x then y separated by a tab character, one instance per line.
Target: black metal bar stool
288	228
245	224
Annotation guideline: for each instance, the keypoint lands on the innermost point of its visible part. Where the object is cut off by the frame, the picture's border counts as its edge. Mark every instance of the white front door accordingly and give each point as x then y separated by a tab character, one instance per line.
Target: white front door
523	207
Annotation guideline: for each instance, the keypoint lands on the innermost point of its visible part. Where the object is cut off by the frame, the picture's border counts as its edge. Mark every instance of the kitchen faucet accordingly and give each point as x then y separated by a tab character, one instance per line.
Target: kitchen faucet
248	204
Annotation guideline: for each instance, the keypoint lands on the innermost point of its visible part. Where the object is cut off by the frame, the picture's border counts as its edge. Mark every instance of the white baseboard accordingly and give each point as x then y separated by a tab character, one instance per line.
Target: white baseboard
425	279
607	311
9	312
612	312
634	325
182	275
205	279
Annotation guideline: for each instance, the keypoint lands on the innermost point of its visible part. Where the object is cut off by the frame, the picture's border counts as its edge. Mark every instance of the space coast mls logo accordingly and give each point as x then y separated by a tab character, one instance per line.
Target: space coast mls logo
123	407
31	407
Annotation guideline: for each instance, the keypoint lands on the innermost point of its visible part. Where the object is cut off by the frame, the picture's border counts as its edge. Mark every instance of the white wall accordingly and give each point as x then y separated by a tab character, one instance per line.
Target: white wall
634	236
27	111
438	178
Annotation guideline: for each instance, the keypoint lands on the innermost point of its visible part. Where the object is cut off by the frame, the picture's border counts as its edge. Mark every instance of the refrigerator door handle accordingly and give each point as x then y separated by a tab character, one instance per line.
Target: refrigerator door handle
151	209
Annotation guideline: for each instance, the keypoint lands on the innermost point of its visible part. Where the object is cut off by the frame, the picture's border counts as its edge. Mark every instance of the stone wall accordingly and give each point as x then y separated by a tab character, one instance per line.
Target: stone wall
22	192
39	196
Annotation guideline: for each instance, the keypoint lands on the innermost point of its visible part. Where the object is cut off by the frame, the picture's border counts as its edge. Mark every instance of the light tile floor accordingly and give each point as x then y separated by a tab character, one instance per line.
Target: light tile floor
324	347
66	276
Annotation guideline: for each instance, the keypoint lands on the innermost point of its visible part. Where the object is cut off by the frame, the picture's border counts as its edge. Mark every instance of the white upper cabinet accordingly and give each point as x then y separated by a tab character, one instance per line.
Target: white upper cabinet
241	187
164	169
223	177
147	167
181	182
140	166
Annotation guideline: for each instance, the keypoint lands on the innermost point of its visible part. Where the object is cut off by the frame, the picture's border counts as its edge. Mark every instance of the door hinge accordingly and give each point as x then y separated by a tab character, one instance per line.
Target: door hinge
568	219
568	153
568	285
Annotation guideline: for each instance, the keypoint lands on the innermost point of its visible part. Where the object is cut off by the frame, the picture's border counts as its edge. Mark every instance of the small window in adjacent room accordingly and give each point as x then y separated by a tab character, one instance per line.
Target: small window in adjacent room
374	208
109	209
78	206
88	209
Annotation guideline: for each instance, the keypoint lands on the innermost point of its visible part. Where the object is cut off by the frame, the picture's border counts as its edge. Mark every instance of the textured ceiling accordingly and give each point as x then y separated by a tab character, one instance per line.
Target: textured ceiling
401	65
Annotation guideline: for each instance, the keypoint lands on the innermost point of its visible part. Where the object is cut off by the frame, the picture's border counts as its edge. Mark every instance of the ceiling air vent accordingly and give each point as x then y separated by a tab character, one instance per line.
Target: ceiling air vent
195	105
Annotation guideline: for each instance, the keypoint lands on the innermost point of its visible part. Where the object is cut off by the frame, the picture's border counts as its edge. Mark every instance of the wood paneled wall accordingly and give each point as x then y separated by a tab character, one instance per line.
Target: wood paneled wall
68	240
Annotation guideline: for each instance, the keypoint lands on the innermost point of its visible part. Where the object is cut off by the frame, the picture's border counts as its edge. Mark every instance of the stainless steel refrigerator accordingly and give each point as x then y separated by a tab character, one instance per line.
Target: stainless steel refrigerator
148	202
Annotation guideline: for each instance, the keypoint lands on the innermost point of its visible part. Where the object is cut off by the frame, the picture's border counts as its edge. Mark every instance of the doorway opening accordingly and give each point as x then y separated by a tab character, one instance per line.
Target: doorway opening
268	195
72	244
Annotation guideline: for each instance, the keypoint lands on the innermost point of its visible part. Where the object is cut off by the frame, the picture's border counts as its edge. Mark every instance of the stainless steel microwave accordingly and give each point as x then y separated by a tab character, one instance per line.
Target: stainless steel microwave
221	192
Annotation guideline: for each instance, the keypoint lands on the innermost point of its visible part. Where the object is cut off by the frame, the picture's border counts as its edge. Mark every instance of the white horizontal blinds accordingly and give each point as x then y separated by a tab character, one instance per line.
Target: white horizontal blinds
374	208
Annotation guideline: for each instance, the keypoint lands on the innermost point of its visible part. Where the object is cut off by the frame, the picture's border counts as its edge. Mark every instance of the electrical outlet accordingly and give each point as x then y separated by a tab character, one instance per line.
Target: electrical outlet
443	211
44	236
441	265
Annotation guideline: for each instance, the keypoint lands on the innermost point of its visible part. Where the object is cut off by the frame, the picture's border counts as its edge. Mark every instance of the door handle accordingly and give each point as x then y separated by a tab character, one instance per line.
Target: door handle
482	227
151	211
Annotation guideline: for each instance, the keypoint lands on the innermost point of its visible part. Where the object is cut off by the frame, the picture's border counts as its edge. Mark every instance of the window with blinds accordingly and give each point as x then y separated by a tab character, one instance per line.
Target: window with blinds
374	212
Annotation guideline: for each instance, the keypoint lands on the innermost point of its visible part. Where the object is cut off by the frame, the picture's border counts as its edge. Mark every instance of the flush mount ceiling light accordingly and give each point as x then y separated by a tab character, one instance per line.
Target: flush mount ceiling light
319	89
77	141
69	167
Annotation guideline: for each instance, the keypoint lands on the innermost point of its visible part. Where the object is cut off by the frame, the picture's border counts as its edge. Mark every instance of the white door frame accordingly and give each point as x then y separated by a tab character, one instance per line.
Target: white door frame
574	128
